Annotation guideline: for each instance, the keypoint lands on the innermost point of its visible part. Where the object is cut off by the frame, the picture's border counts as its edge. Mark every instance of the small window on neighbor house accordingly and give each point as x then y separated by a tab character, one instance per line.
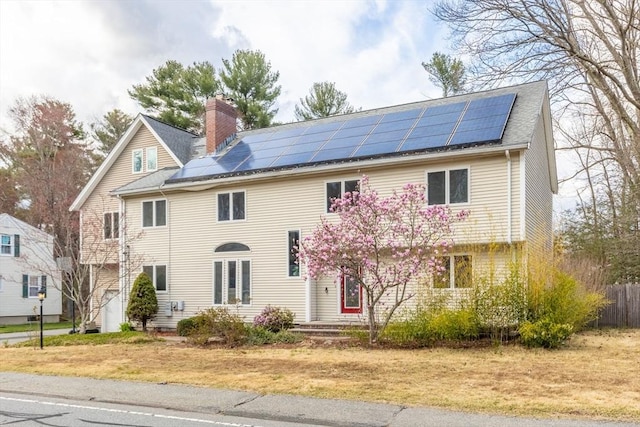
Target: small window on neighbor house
448	187
154	213
293	238
337	189
231	206
136	158
6	247
111	225
152	159
158	276
457	272
32	284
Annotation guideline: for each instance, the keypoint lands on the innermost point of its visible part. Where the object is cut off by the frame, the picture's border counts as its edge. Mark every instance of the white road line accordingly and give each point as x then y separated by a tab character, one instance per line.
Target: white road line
122	411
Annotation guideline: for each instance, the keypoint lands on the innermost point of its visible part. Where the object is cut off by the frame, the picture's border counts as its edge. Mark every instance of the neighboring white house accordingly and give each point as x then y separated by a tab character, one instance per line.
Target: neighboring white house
215	219
26	266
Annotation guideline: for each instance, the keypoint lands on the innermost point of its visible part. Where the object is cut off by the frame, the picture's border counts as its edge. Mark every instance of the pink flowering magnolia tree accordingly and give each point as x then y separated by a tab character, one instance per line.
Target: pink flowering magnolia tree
383	244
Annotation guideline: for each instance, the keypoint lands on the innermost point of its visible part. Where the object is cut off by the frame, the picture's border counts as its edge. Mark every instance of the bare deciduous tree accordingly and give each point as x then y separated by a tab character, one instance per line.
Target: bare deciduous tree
589	52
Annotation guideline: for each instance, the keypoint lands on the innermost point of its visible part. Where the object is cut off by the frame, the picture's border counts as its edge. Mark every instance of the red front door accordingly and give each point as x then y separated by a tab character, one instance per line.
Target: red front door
350	296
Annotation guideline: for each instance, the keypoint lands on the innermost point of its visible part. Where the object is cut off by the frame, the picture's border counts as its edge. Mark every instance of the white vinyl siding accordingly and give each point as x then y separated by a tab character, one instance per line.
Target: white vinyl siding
193	233
101	200
538	198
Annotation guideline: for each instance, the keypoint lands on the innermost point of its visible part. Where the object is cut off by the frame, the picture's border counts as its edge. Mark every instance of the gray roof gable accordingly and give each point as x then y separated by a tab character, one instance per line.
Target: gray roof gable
180	141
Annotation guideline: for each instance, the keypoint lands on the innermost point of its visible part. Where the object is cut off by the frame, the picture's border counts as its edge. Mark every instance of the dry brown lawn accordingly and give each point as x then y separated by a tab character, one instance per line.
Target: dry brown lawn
597	375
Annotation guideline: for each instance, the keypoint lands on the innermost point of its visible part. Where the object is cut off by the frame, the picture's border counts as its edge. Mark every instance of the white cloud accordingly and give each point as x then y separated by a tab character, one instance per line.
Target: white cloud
90	53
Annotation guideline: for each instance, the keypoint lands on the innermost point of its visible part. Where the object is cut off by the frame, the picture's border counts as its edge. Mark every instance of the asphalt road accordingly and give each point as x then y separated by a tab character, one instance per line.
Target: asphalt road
24	410
24	397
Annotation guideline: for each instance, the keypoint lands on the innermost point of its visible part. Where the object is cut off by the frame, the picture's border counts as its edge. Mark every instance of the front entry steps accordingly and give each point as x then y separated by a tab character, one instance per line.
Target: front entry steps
326	329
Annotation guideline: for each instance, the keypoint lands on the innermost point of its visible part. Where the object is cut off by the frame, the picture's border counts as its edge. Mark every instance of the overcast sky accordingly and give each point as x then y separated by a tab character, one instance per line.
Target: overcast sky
88	53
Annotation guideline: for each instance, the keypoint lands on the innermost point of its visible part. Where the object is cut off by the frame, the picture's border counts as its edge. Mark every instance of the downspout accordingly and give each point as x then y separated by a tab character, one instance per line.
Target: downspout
169	265
124	256
509	197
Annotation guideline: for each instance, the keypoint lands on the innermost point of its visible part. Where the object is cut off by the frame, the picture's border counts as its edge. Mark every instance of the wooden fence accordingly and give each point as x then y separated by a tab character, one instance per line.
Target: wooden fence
624	310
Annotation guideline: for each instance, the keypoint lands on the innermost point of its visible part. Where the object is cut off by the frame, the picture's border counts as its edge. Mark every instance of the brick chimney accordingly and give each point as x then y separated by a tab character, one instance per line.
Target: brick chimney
220	122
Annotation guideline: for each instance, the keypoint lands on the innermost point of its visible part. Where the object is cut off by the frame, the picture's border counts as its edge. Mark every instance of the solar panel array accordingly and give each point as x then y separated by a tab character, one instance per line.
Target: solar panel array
478	121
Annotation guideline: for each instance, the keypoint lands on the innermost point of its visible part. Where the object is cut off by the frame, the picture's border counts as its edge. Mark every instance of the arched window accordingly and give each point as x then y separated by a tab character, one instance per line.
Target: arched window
232	247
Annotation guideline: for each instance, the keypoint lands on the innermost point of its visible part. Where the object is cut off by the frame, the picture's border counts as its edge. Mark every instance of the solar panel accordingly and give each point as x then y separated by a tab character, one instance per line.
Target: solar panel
373	149
484	120
422	143
362	121
332	154
351	136
293	159
352	142
402	115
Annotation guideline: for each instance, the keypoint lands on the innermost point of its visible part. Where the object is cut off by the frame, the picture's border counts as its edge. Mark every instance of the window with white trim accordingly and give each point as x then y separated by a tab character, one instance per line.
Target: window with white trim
6	244
158	276
152	159
337	189
31	285
154	213
232	281
231	206
111	225
136	160
456	272
293	241
448	186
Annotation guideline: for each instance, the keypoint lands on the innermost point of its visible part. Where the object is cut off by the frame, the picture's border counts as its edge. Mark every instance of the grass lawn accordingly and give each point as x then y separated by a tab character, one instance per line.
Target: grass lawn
594	376
34	326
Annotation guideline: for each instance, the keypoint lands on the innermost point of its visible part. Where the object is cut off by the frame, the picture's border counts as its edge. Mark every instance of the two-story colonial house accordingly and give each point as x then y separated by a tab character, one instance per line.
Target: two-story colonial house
215	219
26	267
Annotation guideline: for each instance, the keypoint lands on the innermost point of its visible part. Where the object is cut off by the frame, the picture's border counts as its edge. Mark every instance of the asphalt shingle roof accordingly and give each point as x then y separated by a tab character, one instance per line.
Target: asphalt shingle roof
181	142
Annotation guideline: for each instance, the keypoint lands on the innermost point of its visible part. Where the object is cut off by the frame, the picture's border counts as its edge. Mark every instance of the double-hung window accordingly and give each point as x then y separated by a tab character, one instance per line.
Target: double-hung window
158	276
456	272
136	160
111	225
154	213
31	285
337	189
6	244
231	206
10	245
293	242
232	281
448	186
